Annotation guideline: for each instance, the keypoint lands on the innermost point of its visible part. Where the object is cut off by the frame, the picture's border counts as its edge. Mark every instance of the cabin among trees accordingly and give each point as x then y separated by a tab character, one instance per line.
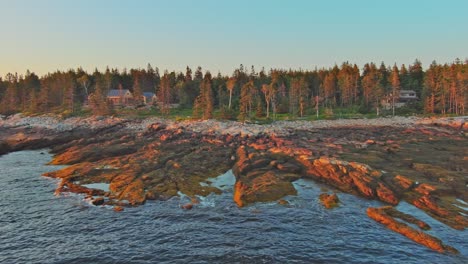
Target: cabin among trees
120	97
124	97
404	98
149	98
407	96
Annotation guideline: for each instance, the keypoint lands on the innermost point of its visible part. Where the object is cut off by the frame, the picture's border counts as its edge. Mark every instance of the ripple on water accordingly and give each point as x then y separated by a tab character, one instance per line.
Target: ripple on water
38	227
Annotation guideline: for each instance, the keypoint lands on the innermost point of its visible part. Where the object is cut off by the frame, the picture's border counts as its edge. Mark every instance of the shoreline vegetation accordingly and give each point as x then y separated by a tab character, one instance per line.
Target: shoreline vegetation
344	91
421	161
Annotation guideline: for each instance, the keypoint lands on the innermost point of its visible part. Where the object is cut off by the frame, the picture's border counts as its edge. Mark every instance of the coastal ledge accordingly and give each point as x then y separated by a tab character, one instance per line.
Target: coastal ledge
57	123
420	161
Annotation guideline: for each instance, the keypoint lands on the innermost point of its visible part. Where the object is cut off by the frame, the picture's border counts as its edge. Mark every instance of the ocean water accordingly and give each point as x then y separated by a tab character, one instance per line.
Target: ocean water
38	227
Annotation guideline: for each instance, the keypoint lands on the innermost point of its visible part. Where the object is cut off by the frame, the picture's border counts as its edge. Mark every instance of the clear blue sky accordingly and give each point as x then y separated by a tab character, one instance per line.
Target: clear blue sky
219	35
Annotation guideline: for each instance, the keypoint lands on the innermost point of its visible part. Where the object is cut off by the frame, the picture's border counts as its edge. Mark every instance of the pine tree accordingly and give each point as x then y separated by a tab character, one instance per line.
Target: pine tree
137	91
248	94
329	86
395	82
462	98
208	97
99	103
416	76
433	89
383	74
204	103
198	74
404	79
274	87
33	102
188	74
11	100
297	96
68	101
164	94
346	84
294	96
372	87
43	101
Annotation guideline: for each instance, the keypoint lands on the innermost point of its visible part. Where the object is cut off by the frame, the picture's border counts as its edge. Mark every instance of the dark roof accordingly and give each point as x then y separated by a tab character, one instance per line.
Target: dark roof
116	92
148	94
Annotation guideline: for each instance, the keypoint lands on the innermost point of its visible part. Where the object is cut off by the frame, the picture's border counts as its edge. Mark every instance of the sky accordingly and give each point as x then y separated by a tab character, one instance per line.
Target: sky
47	35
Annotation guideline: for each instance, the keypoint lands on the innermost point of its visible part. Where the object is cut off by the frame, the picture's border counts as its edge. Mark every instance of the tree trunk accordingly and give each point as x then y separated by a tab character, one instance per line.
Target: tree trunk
267	108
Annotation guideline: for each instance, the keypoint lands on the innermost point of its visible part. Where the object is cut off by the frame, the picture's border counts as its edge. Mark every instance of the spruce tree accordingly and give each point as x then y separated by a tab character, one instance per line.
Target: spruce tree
395	82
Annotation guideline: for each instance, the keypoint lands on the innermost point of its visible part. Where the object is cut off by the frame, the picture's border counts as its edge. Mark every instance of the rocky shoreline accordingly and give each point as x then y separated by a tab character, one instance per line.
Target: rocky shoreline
420	161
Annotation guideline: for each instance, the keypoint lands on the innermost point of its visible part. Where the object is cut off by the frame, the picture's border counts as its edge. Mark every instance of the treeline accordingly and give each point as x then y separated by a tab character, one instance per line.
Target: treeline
247	93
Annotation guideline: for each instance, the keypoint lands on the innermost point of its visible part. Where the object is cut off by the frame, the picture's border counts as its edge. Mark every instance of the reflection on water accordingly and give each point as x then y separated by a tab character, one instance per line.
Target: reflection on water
37	227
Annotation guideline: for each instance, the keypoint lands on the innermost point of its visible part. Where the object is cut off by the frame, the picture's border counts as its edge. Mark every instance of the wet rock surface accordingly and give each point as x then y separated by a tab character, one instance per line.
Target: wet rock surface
329	200
388	216
423	162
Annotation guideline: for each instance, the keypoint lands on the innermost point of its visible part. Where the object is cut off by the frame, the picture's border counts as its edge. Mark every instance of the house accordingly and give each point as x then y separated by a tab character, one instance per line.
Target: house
120	96
407	96
404	97
149	98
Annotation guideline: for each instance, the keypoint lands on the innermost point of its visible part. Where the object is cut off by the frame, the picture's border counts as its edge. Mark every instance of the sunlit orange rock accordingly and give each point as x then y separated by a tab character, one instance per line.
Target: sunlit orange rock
266	187
425	188
239	190
403	182
134	193
380	215
329	200
386	194
351	177
428	203
188	206
118	208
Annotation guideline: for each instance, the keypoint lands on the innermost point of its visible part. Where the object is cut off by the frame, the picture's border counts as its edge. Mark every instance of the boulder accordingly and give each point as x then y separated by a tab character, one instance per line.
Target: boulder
118	208
98	201
259	177
188	206
329	200
266	187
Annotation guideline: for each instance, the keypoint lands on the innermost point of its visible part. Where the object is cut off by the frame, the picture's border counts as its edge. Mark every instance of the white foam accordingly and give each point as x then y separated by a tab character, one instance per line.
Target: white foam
208	201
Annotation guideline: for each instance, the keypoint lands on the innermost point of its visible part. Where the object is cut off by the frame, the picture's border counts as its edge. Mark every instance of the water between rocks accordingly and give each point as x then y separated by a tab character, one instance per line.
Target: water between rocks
38	227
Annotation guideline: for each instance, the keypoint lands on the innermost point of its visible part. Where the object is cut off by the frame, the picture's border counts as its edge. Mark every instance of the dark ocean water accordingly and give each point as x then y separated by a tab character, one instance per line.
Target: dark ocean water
38	227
